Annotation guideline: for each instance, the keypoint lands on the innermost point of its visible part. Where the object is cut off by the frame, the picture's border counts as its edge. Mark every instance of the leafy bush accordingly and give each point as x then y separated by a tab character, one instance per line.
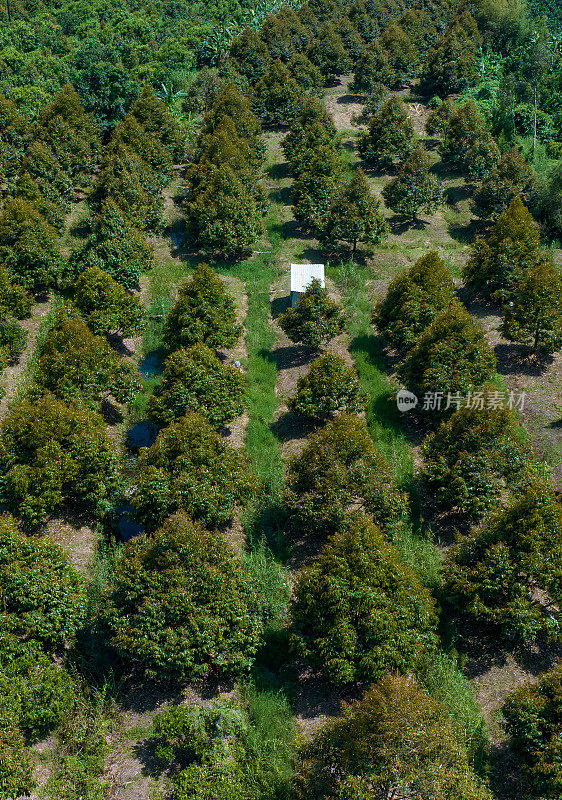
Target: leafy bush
42	596
473	458
512	177
315	319
105	304
506	573
467	144
277	96
359	612
152	114
326	51
355	215
53	213
76	365
190	467
450	356
499	261
51	453
208	615
413	300
396	741
250	54
414	188
340	469
13	298
390	134
329	386
532	719
16	766
438	121
13	339
534	315
204	312
195	379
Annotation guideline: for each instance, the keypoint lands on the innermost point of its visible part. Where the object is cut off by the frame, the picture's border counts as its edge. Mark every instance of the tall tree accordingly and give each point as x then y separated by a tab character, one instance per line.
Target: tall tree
534	315
390	134
414	188
355	215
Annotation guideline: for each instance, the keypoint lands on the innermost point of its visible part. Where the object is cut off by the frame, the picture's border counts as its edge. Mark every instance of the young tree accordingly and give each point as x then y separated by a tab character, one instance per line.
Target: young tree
16	763
507	572
452	65
373	67
534	723
43	166
13	339
341	469
512	177
438	121
450	356
327	52
277	96
534	315
52	453
191	468
16	136
329	387
501	259
208	615
308	77
195	379
397	741
230	102
284	34
41	595
467	144
29	247
390	135
473	459
27	189
316	185
402	54
14	300
315	319
75	365
115	247
413	300
414	188
250	55
150	112
395	628
355	215
106	305
312	126
204	312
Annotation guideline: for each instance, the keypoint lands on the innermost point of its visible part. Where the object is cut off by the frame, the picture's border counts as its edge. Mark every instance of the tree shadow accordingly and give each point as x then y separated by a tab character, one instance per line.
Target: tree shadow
345	99
282	195
399	224
506	779
292	426
111	411
279	171
515	358
290	356
466	234
117	343
279	305
456	194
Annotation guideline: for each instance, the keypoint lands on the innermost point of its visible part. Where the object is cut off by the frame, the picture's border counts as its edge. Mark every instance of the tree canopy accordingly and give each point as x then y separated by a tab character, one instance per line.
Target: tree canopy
330	386
315	319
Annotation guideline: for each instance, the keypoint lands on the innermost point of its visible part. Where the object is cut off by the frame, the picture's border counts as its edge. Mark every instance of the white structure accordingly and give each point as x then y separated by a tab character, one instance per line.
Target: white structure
301	278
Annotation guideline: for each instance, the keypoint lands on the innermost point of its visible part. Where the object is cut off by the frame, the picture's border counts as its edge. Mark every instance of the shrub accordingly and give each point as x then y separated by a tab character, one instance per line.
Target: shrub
473	458
105	304
390	135
42	596
327	52
396	741
506	573
312	126
27	189
204	312
190	467
414	188
533	721
315	319
359	612
317	185
450	356
307	76
76	365
150	112
208	615
51	453
330	386
29	246
355	215
534	315
512	177
438	121
16	766
499	261
413	300
338	470
284	34
452	65
13	298
195	379
373	67
13	339
277	96
250	55
467	144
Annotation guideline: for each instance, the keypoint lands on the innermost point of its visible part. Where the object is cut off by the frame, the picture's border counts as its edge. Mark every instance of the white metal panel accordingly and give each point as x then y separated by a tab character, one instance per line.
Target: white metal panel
302	275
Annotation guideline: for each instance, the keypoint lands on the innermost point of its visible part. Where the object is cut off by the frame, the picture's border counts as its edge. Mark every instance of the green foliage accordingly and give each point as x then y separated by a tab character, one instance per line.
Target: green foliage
51	453
315	319
41	595
208	614
29	246
450	356
13	299
105	304
307	76
16	767
355	215
359	612
341	469
512	177
16	135
439	119
150	112
327	52
317	185
190	467
507	572
195	379
413	300
414	188
468	145
13	339
402	54
285	34
312	127
230	102
76	365
329	386
390	135
277	96
27	189
44	168
373	67
115	247
473	458
535	313
251	55
452	65
204	312
396	741
549	199
533	721
228	751
500	260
